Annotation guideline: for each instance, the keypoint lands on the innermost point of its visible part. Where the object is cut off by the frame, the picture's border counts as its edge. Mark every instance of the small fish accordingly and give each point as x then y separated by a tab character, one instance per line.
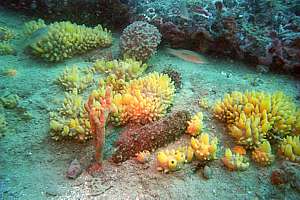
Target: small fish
187	55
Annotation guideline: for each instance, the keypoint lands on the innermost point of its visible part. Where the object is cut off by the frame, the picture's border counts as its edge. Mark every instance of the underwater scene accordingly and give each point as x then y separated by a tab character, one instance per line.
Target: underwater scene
149	99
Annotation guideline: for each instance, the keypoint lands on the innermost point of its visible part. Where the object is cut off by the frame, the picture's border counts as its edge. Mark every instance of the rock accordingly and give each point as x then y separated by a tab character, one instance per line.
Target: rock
288	174
296	184
207	172
256	82
262	69
74	169
278	177
9	101
52	191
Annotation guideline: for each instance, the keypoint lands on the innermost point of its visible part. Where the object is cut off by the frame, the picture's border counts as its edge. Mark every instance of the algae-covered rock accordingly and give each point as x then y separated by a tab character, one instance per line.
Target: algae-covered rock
151	136
9	101
3	125
6	34
6	49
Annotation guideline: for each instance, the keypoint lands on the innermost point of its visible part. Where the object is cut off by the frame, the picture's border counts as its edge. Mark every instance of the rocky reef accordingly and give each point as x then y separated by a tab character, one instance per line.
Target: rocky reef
110	13
263	33
260	32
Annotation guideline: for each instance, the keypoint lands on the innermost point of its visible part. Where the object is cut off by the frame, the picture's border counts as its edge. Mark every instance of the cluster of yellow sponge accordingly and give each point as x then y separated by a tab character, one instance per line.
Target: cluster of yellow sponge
6	34
200	148
290	148
74	78
263	154
170	160
253	116
123	69
195	125
63	40
203	148
144	100
235	161
70	120
6	49
32	26
118	85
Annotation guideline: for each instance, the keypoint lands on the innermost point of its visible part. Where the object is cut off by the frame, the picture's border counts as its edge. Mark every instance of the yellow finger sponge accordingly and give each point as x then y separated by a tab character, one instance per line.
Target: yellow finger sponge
126	69
235	161
70	120
263	154
204	149
144	100
254	116
74	78
62	40
290	148
195	125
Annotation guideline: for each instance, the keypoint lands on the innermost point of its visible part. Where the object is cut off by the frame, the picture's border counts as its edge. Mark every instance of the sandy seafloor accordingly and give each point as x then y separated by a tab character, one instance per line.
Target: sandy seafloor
33	166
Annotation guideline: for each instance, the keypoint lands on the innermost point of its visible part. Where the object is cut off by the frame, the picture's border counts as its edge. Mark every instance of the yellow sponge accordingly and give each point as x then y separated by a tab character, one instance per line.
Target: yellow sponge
170	160
204	149
254	116
195	125
235	161
123	69
63	40
263	154
144	100
290	148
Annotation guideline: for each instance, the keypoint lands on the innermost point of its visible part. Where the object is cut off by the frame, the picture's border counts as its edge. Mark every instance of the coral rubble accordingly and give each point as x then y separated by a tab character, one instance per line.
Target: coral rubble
234	29
287	174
